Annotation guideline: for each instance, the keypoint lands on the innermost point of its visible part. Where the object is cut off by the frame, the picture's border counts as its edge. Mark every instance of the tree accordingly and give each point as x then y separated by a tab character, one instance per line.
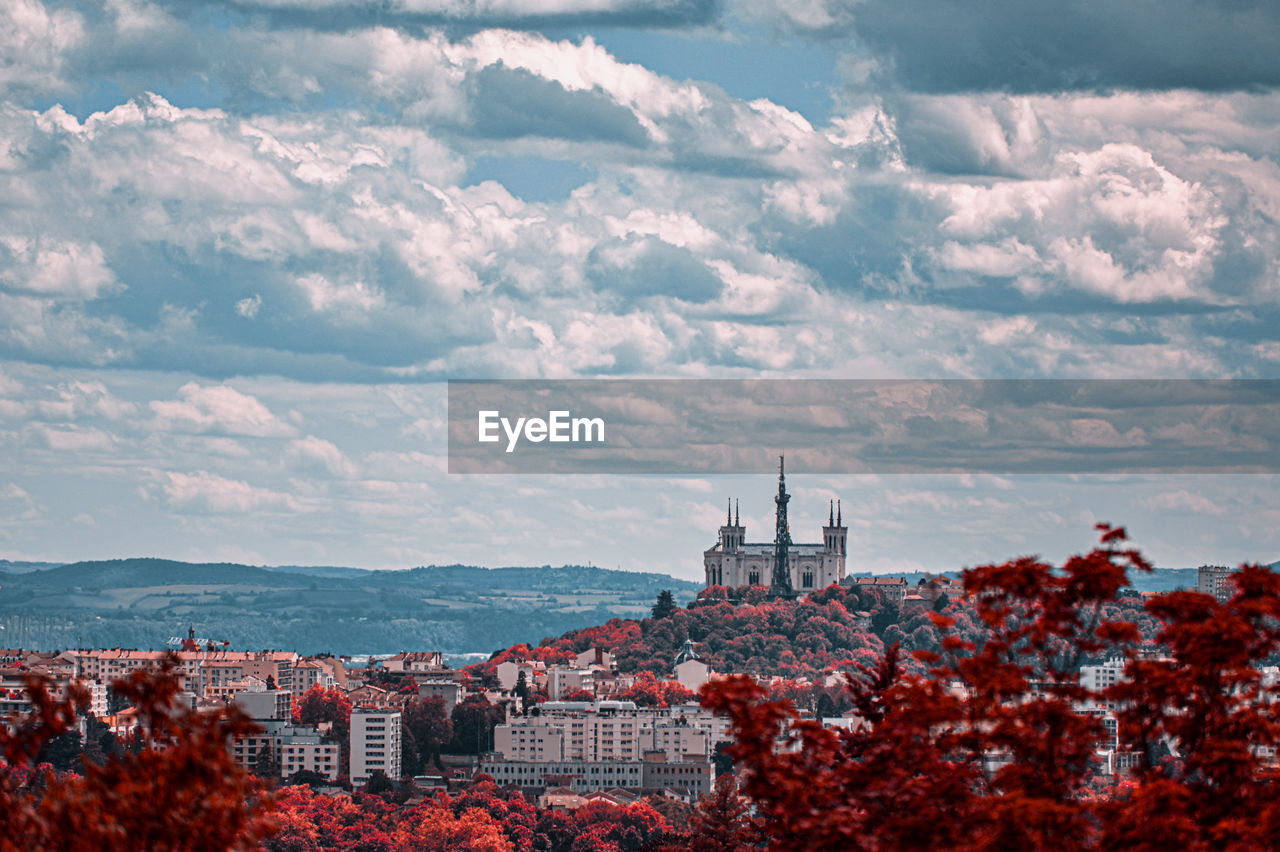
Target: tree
319	706
436	829
721	760
307	777
665	606
378	784
723	822
473	722
429	724
522	690
265	765
989	751
180	790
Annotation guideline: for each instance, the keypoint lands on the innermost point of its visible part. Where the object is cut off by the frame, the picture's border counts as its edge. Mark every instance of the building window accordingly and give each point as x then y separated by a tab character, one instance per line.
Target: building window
753	579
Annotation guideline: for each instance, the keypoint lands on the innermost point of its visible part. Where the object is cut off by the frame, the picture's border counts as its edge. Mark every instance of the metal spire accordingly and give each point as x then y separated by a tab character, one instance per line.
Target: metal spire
781	585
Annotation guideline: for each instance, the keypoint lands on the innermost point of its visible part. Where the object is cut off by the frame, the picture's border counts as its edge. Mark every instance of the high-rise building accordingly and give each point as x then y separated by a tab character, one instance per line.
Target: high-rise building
1215	580
375	743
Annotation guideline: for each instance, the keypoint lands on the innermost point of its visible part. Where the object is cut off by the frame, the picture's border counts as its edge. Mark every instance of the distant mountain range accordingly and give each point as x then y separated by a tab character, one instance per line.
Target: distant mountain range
142	603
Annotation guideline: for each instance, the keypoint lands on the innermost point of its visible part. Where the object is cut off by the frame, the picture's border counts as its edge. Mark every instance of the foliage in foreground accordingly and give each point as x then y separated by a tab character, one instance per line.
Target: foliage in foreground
176	788
989	751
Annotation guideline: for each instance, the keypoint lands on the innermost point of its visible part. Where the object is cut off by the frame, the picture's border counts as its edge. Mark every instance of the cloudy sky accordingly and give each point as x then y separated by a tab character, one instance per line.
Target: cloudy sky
243	243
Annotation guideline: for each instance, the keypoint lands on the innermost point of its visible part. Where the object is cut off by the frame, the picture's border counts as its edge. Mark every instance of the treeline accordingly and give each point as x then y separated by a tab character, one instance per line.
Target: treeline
836	628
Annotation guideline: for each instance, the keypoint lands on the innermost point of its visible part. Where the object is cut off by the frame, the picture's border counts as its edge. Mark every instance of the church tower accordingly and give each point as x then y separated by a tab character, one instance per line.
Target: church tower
787	568
781	586
835	534
733	534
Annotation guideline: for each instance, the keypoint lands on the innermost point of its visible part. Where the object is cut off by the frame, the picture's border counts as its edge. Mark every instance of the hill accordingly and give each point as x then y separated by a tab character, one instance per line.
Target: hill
143	602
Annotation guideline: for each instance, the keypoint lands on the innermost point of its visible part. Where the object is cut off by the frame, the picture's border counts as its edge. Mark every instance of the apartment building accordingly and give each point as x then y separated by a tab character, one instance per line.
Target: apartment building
375	743
694	775
609	730
198	671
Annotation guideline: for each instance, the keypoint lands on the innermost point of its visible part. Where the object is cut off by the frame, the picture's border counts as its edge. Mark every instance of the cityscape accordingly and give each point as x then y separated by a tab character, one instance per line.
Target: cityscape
639	425
629	730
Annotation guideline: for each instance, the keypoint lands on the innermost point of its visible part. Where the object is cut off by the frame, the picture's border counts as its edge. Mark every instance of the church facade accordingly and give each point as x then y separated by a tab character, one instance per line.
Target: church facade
734	561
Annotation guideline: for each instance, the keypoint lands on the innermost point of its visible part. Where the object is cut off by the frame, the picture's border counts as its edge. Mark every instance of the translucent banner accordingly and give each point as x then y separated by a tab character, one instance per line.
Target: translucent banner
677	426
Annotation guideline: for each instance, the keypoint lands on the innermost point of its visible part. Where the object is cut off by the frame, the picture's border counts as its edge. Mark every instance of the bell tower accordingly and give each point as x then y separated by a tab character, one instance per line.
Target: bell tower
733	533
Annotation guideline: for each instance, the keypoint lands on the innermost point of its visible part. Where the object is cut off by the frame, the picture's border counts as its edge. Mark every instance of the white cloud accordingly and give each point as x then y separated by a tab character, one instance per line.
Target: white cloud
220	409
33	44
249	306
55	268
1183	501
202	491
325	455
75	439
346	299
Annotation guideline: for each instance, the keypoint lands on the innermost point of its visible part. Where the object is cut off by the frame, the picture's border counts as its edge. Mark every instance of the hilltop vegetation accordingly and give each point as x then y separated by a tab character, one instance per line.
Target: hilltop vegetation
454	608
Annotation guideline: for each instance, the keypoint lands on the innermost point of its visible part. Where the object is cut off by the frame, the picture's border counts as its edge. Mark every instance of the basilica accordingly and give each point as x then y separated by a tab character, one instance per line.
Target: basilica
734	561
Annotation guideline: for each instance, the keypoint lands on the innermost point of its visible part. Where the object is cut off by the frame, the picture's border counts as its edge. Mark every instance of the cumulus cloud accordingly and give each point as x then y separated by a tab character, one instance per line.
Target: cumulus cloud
34	42
321	455
202	491
75	439
54	268
219	409
341	239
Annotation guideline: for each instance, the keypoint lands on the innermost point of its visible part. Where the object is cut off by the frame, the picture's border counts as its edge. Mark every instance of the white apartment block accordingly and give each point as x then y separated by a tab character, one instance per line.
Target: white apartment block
293	747
695	775
562	680
375	743
1216	580
608	731
308	752
309	673
14	697
274	704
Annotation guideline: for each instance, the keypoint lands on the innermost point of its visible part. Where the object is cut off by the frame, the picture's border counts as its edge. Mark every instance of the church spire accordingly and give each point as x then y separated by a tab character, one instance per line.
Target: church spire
728	513
831	513
781	585
838	521
737	519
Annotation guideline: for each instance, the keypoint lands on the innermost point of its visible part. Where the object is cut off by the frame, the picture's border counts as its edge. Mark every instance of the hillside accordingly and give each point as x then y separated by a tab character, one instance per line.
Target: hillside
454	608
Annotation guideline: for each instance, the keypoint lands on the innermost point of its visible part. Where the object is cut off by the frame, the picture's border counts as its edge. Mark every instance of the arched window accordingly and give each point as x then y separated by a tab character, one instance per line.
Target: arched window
753	579
808	579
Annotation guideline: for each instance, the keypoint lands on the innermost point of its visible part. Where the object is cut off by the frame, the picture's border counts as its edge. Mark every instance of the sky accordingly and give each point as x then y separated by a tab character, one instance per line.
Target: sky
244	244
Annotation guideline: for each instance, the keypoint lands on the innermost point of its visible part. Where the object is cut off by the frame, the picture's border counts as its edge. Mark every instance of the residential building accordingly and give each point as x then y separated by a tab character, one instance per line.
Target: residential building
375	743
694	775
892	590
609	730
416	661
1216	580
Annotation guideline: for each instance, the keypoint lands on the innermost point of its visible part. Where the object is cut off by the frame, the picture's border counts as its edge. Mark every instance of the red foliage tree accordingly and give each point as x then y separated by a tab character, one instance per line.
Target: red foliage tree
427	722
723	822
178	788
994	749
319	706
